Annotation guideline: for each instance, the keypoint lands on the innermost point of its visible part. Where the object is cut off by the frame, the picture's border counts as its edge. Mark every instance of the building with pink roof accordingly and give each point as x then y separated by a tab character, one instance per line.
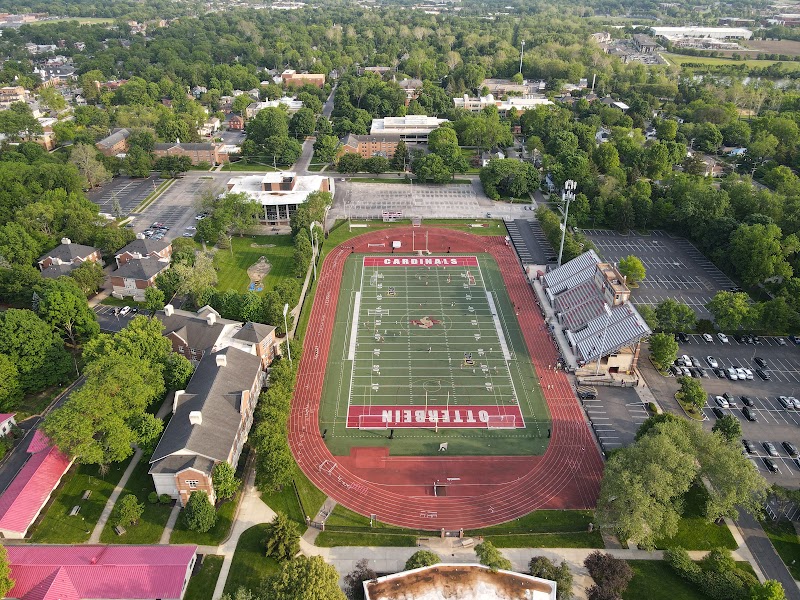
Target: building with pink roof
6	423
23	500
84	572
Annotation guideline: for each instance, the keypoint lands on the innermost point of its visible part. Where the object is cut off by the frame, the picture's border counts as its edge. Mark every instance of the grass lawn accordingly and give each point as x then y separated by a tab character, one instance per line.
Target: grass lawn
656	580
56	526
232	267
201	585
582	539
183	535
250	565
286	502
150	527
329	539
544	529
689	409
681	60
248	166
784	537
34	404
694	532
111	301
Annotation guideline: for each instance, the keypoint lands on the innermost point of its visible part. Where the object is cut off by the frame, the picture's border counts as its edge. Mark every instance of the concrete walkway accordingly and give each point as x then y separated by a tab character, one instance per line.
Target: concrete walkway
251	511
173	518
112	499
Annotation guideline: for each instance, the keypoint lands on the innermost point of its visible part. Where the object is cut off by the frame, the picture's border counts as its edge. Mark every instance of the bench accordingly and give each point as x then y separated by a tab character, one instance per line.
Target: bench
86	494
119	530
75	510
467	542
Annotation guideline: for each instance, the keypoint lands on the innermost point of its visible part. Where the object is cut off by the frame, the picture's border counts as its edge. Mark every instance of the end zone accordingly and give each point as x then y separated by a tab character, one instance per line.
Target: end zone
403	416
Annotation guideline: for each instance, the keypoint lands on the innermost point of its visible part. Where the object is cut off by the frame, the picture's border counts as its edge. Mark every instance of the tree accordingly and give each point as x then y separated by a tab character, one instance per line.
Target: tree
225	481
274	461
199	514
422	558
241	593
138	162
490	556
84	157
509	178
401	157
376	164
153	300
177	371
769	590
50	98
648	313
283	538
663	349
632	268
692	392
541	566
10	390
129	510
729	309
757	254
431	167
240	103
304	578
612	575
63	305
354	580
350	162
34	348
196	278
729	428
6	583
88	276
325	147
173	165
302	123
674	316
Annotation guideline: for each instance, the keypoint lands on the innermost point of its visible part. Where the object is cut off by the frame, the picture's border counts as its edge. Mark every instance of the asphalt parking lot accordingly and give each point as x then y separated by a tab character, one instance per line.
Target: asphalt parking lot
615	416
129	192
775	424
675	268
109	319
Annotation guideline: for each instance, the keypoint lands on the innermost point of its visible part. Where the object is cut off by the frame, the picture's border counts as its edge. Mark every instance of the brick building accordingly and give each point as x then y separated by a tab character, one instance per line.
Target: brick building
134	276
143	247
65	257
199	153
292	78
116	143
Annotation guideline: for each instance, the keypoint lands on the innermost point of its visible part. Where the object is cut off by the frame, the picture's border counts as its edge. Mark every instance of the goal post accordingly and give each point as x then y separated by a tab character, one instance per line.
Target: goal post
501	422
372	422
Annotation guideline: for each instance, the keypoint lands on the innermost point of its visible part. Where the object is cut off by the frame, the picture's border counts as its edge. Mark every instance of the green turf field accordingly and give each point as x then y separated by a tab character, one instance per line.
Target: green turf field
419	349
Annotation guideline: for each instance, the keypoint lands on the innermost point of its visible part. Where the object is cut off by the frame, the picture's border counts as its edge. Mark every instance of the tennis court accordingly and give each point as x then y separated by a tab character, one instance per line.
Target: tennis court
426	351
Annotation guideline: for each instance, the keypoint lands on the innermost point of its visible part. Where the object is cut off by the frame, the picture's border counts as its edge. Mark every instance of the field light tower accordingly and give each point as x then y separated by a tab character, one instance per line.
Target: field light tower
567	196
521	54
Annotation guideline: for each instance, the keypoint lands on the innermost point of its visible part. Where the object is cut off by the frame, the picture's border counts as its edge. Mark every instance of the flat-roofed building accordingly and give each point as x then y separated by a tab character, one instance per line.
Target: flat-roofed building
292	78
279	193
521	104
411	128
720	33
292	106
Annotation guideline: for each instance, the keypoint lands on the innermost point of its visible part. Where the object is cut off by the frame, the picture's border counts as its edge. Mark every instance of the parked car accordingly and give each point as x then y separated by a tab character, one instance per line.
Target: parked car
718	412
721	401
755	339
695	362
732	374
686	372
795	401
770	448
748	414
748	373
712	362
125	310
587	392
763	374
676	371
730	398
723	338
739	339
695	372
770	464
741	374
747	400
687	362
790	448
795	339
683	337
781	341
748	445
720	373
760	362
703	373
785	402
707	337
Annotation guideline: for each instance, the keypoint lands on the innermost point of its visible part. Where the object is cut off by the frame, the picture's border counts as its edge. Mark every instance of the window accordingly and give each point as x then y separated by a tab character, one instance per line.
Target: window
192	483
180	348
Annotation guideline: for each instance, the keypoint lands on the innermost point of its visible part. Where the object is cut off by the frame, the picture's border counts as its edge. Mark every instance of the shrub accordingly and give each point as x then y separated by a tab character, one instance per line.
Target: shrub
152	497
165	499
541	566
716	575
491	557
612	575
199	514
129	510
422	558
653	408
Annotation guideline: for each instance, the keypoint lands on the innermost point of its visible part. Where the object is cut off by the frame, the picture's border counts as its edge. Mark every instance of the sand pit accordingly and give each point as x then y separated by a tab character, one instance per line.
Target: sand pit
256	272
254	245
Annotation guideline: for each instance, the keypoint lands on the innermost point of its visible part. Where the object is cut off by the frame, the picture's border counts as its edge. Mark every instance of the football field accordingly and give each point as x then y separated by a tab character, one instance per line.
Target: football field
428	351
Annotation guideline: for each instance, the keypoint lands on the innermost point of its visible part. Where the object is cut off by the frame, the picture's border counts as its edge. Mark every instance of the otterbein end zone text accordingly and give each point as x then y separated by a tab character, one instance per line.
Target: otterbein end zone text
403	416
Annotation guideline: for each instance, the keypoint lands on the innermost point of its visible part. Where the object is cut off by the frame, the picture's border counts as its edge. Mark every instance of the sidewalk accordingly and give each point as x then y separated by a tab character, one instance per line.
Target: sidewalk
112	499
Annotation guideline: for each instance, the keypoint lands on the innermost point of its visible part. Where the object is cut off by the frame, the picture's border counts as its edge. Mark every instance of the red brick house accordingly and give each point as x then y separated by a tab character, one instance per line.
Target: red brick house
136	275
116	143
236	123
65	257
292	78
260	337
210	423
144	248
199	153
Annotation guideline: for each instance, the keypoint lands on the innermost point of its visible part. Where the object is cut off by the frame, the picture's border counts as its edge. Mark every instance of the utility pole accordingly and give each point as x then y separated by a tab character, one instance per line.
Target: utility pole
521	54
567	196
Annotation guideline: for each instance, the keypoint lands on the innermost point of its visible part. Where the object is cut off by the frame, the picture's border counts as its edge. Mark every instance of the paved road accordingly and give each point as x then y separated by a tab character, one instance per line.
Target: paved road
327	108
302	164
768	560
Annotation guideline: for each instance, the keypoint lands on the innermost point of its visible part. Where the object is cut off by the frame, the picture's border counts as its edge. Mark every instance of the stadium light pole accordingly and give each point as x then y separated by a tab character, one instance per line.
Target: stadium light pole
603	339
521	54
286	330
568	195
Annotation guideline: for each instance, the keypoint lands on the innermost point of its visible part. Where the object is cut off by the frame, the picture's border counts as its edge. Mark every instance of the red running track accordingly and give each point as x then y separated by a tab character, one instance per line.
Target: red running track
566	476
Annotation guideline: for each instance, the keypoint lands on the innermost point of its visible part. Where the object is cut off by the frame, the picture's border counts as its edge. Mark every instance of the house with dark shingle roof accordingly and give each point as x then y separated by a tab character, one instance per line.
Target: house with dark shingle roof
143	247
66	257
84	572
135	276
193	335
261	337
210	422
116	143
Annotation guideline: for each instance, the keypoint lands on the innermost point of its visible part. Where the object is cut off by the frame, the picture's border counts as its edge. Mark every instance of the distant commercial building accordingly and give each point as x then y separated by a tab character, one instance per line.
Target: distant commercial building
292	106
644	43
279	193
720	33
522	104
291	77
413	129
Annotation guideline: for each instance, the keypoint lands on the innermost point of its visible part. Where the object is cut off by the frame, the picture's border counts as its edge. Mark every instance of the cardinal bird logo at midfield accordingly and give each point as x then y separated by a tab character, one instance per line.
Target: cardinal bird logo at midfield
425	322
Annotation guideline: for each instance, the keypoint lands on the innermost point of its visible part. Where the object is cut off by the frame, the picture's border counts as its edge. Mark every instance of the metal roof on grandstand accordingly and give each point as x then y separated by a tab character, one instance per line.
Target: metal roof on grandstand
580	304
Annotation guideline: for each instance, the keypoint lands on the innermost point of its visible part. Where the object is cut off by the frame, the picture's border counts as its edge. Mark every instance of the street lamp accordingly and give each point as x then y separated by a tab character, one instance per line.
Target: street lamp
603	339
566	196
286	329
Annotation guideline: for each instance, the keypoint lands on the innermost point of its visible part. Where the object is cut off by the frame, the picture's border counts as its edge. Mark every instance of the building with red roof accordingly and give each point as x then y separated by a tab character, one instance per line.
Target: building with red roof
23	500
84	572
